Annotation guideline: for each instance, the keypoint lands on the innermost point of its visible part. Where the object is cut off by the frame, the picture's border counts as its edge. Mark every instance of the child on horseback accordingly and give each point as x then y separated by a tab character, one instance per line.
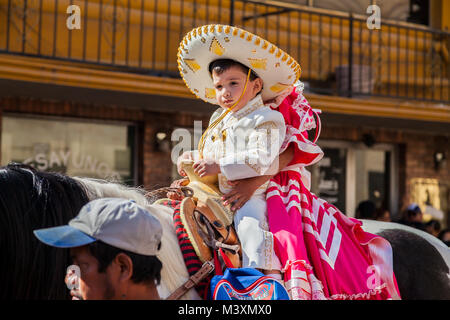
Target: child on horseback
323	253
222	66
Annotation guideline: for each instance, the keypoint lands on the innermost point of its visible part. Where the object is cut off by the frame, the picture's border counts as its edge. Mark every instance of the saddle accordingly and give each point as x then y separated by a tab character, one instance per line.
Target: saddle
208	223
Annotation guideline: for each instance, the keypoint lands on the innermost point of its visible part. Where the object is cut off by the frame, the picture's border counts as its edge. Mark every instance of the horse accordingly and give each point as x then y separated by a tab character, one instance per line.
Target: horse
30	199
421	261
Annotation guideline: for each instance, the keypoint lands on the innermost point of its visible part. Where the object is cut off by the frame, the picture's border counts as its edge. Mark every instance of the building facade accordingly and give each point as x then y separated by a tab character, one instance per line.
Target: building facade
94	90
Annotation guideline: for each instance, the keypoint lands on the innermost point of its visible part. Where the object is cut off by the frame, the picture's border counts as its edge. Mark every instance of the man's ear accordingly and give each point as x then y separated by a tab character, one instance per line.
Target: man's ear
125	266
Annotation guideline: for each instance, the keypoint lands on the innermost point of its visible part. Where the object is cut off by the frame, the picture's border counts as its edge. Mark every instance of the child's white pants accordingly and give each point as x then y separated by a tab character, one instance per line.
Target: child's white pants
250	222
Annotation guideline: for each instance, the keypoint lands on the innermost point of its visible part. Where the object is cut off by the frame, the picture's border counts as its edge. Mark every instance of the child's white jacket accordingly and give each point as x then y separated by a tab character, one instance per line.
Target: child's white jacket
246	143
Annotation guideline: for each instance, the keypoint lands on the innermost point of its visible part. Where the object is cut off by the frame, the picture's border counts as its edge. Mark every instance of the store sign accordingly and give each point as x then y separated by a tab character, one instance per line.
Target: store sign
84	163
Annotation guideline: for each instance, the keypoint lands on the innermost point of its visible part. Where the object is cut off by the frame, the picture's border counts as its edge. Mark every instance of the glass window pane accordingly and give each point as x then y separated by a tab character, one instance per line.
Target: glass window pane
328	177
103	151
371	177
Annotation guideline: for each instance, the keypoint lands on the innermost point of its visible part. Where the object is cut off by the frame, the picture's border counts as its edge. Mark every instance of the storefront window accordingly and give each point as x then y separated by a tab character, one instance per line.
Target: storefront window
328	179
351	172
372	176
96	150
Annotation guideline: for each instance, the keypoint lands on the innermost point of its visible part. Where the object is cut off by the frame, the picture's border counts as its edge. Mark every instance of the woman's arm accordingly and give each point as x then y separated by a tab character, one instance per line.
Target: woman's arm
243	189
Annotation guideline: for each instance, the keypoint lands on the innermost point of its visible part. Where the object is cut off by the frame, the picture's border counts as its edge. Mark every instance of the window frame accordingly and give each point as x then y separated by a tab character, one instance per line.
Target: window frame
134	161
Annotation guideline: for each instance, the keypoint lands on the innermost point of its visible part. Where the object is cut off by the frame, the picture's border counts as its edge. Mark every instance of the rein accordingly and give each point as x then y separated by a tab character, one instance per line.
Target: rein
193	280
180	191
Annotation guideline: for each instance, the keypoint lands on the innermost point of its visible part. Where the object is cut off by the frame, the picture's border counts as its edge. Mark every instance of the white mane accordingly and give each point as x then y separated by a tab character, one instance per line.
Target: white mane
174	272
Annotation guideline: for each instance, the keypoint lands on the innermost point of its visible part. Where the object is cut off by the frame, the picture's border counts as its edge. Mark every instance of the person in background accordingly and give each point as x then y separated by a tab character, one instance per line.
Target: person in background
113	243
366	210
413	217
433	227
444	236
383	214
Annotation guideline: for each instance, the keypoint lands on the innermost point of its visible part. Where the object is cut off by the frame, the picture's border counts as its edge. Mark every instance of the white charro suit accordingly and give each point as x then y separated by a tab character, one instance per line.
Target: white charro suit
246	143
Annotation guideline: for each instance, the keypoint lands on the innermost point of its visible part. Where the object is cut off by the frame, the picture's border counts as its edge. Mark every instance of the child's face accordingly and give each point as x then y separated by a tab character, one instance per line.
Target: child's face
229	86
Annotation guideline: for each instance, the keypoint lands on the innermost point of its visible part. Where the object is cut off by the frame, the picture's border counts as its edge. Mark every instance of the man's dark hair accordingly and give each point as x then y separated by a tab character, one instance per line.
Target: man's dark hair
366	210
221	65
434	225
412	212
146	269
442	234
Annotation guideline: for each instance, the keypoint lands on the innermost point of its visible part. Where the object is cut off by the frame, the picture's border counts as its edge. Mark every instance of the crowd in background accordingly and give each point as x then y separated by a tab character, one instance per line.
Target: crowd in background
412	216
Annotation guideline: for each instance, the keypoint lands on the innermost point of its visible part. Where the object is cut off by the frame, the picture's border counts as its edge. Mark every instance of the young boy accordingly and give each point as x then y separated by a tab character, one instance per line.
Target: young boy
237	70
243	145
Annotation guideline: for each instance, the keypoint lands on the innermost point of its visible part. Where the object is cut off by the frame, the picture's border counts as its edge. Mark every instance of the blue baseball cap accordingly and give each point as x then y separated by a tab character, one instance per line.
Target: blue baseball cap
63	237
414	207
118	222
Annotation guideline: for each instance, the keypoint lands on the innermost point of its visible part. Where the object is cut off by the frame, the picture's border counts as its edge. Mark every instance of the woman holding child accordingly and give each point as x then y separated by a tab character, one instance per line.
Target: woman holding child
257	144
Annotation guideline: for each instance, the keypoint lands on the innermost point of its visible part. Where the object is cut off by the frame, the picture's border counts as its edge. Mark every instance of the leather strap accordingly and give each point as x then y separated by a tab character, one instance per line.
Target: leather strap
182	191
193	280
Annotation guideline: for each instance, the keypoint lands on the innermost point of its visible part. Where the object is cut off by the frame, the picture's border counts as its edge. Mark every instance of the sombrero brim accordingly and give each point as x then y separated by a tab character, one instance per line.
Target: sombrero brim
205	44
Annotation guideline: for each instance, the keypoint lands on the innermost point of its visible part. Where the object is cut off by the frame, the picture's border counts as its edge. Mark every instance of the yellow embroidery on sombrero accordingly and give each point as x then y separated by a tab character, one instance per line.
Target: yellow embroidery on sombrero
216	47
240	45
298	71
210	93
278	54
192	64
279	87
258	63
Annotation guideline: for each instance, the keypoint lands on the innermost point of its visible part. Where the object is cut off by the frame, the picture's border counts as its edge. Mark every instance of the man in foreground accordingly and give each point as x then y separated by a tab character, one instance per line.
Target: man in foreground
113	243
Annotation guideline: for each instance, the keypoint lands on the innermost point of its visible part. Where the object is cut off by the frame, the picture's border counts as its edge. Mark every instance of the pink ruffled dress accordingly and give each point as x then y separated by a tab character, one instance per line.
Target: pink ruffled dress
324	254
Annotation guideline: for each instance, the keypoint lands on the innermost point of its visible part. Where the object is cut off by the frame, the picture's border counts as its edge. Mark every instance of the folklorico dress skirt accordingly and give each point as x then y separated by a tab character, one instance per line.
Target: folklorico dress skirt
324	254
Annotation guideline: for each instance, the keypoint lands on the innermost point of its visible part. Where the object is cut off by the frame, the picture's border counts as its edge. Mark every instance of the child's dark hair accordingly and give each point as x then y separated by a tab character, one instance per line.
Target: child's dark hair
221	65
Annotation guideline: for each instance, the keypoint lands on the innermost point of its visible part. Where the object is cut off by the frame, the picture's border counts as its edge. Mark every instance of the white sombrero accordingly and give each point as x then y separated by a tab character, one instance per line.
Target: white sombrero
203	45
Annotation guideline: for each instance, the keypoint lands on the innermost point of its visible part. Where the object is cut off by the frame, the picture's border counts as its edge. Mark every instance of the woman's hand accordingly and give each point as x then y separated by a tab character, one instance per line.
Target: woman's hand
177	184
205	168
243	190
